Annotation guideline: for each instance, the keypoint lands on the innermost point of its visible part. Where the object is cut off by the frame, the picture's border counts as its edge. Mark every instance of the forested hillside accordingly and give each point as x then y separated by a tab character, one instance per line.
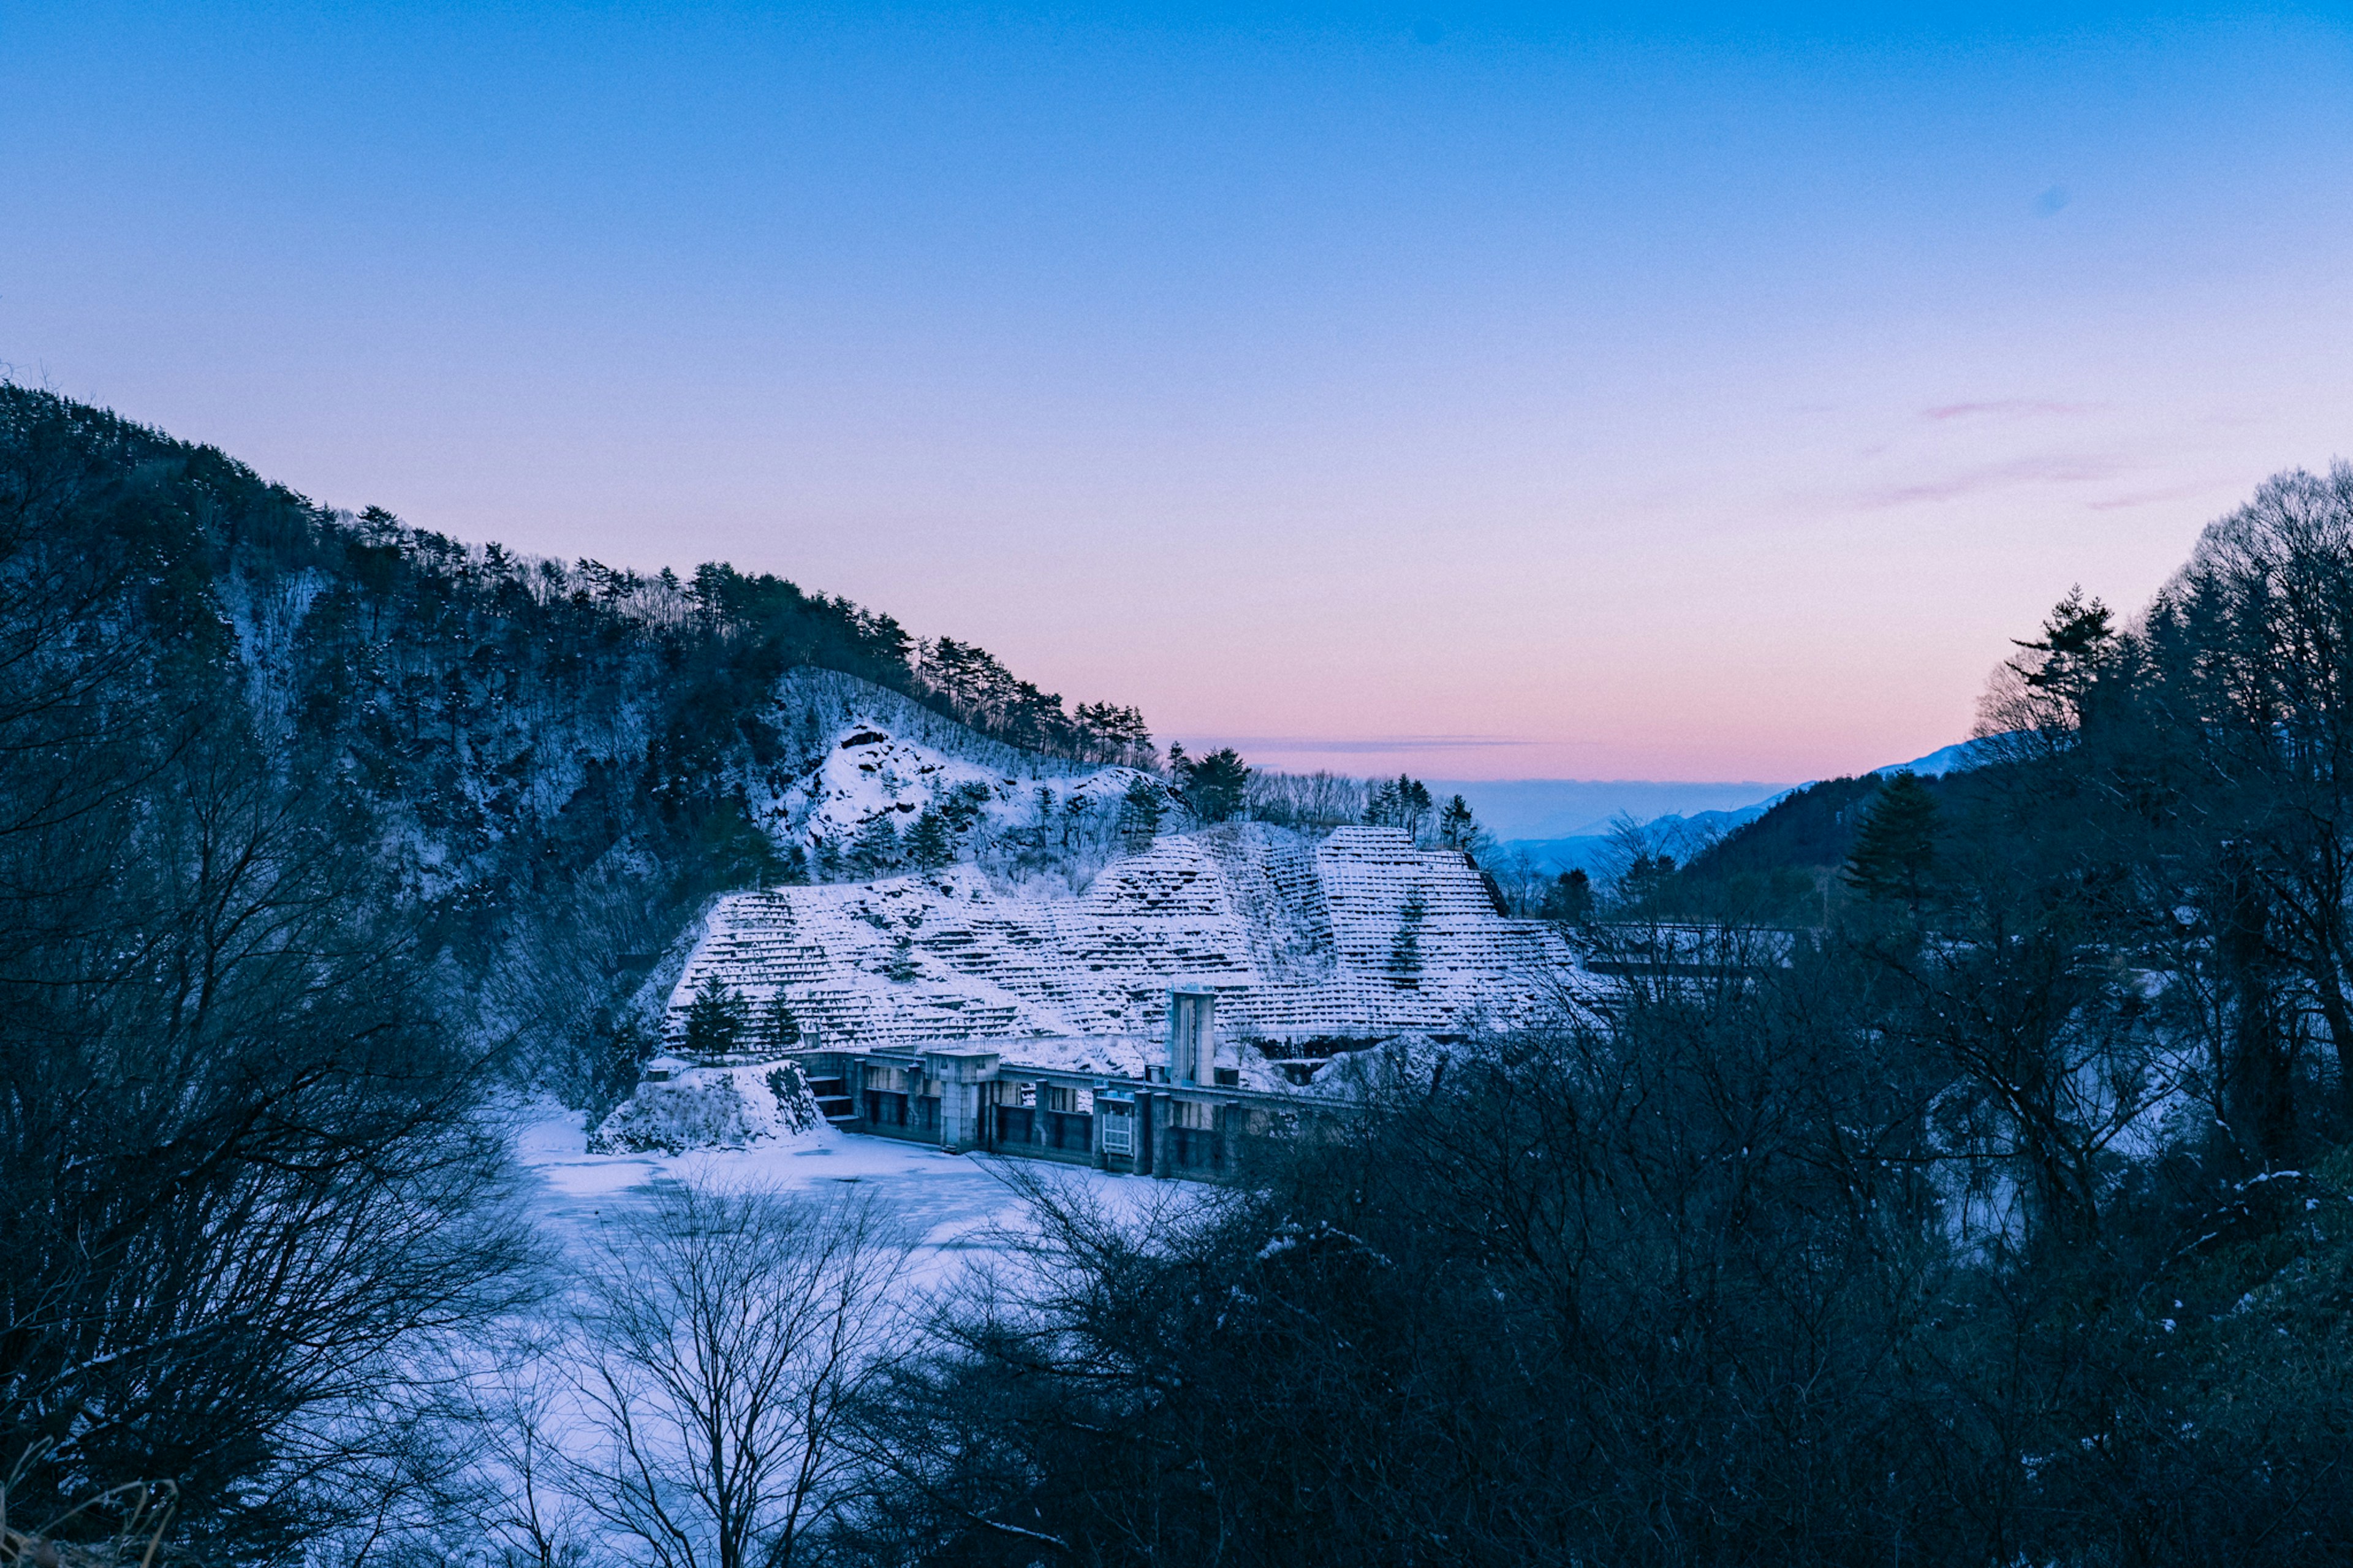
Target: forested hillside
545	763
314	829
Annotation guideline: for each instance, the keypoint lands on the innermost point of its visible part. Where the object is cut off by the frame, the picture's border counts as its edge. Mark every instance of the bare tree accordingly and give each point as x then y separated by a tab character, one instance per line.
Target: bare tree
242	1179
725	1338
513	1508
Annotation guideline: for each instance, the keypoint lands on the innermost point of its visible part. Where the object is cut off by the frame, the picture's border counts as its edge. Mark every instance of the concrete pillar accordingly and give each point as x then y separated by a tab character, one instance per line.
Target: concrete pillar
1192	1038
1160	1109
959	1115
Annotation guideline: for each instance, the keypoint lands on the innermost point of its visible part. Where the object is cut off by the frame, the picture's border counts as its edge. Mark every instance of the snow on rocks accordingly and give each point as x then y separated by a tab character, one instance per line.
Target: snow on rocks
677	1106
867	772
866	752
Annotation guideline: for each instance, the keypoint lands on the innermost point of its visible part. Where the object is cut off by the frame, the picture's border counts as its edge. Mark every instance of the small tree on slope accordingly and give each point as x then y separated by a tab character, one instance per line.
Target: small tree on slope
717	1019
929	843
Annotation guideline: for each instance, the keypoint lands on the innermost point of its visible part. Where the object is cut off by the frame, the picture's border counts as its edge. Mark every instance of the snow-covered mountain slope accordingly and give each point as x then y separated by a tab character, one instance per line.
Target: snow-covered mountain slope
867	772
859	754
1957	758
1357	937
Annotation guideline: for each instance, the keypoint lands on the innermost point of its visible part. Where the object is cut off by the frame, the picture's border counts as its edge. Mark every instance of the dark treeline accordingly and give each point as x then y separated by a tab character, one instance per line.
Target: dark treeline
242	1192
1995	1212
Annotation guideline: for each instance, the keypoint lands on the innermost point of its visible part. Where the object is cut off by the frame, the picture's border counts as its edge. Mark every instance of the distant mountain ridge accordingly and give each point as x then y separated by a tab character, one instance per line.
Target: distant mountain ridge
1560	808
1593	845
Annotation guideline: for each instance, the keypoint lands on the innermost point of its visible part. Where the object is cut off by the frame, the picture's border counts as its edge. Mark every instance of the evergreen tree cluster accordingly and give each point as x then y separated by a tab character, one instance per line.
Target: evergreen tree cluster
1215	787
981	691
1402	803
1895	852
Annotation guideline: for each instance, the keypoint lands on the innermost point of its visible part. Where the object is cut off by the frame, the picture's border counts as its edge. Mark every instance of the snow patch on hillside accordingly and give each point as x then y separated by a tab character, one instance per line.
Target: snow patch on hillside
845	761
865	772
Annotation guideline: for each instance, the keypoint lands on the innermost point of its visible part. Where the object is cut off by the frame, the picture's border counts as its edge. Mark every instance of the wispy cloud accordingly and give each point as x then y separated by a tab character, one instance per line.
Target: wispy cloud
2007	407
2046	471
2148	498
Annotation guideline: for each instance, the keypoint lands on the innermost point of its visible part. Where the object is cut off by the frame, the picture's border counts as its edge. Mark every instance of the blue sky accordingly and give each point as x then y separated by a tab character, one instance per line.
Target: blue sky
1495	394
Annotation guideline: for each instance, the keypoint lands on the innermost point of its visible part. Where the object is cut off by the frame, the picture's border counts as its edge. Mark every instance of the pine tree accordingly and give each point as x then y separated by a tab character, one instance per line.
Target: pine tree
2045	689
876	847
929	843
1404	802
779	1029
1570	898
2077	644
1405	951
717	1019
1645	876
1414	805
1457	828
1895	848
1139	816
1215	785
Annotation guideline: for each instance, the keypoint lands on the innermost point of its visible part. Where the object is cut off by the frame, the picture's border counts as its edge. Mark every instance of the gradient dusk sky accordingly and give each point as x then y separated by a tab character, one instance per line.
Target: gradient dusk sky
1489	393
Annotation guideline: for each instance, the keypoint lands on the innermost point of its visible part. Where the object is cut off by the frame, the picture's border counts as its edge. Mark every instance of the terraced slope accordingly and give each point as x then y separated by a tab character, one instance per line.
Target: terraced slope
1359	936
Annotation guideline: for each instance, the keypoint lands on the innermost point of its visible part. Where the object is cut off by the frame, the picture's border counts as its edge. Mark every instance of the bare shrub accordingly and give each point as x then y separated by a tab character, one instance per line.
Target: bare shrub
723	1338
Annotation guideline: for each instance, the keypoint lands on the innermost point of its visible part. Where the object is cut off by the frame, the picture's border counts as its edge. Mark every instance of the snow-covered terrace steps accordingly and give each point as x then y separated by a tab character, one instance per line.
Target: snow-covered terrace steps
1302	939
846	1015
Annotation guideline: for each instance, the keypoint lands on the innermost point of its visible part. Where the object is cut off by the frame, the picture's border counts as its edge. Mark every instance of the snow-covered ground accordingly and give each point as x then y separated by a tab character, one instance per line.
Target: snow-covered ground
545	1419
956	1205
865	772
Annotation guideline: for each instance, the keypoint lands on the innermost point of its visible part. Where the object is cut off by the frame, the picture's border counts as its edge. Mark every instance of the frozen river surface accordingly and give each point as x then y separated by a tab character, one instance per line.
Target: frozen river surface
953	1205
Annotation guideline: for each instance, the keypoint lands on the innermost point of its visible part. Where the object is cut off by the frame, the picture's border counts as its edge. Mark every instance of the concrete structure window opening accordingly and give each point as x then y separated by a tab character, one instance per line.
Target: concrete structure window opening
1194	1115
